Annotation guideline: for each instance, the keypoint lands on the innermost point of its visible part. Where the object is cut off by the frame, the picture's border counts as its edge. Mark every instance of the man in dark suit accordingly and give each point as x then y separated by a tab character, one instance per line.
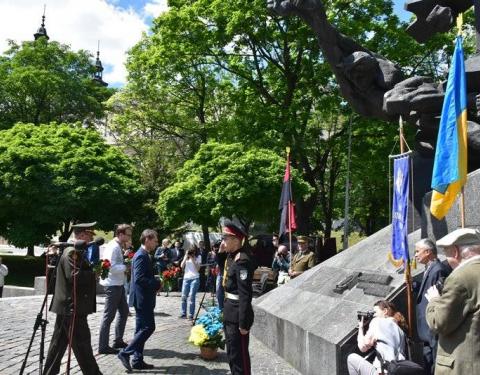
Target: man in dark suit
426	254
143	288
72	306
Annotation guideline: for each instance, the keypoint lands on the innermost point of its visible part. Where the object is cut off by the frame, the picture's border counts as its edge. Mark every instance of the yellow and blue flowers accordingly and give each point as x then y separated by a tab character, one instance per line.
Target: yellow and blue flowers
208	331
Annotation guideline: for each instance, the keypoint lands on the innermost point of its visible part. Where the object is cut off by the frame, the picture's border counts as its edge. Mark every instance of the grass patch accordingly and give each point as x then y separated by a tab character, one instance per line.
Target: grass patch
23	269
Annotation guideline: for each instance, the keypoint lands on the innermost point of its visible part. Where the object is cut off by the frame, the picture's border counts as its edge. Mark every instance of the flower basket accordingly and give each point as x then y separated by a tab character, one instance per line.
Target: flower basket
208	353
208	334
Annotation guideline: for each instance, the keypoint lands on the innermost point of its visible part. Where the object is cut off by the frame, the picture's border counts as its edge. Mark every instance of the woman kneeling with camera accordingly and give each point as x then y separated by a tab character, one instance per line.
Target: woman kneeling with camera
385	333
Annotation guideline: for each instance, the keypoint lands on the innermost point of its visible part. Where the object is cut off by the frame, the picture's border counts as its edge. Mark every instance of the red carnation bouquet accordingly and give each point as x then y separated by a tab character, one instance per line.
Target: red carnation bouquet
169	277
102	268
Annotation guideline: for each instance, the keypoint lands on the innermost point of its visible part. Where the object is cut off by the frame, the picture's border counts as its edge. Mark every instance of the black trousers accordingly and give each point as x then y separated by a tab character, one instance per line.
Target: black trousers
237	349
81	346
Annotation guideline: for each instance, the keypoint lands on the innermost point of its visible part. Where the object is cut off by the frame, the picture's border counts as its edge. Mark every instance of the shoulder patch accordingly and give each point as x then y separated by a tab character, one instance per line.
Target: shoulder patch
243	275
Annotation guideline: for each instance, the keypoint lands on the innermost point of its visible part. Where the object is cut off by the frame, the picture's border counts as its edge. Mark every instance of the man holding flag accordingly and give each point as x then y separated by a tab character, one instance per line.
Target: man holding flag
450	166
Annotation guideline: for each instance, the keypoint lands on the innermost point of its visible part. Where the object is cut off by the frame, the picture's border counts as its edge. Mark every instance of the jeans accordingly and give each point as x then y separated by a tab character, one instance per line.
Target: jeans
189	288
220	292
357	365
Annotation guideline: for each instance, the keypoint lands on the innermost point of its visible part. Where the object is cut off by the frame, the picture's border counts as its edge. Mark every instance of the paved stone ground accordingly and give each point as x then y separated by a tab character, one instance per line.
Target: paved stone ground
167	349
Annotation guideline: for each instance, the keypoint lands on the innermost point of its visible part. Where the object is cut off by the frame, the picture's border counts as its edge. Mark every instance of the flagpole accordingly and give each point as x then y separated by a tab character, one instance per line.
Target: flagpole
408	271
289	207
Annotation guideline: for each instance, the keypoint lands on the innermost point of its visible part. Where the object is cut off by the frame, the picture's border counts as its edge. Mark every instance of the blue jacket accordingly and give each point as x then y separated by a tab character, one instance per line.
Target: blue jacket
436	271
143	285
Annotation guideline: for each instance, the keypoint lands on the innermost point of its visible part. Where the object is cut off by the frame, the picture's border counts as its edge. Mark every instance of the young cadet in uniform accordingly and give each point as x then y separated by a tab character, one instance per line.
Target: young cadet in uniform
237	310
303	260
73	300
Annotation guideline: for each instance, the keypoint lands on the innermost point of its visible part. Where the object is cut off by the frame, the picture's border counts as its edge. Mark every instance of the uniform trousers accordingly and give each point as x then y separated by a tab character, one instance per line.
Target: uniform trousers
237	349
81	346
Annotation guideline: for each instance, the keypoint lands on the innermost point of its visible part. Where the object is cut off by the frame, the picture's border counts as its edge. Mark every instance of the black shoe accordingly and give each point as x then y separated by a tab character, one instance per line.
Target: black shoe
142	366
120	345
125	359
108	350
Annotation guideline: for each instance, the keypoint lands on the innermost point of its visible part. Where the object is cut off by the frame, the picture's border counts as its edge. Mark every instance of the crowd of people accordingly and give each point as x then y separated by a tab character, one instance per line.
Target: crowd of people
134	276
447	313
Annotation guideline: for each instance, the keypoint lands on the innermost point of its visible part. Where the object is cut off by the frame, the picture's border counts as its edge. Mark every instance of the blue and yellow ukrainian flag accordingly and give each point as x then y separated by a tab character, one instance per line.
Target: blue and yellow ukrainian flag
450	166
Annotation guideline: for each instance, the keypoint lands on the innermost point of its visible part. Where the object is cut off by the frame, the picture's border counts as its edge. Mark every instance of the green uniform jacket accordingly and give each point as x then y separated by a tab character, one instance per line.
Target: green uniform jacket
455	316
303	262
62	302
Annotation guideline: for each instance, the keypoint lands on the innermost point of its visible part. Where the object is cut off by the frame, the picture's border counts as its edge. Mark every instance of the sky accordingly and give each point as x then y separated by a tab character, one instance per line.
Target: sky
117	24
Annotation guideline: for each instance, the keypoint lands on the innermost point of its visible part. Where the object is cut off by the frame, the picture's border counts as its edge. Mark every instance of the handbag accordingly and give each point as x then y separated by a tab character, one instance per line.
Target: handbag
399	367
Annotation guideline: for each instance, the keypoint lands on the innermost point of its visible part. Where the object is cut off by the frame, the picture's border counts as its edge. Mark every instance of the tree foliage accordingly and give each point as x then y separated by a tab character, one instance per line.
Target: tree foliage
231	72
52	175
227	180
44	81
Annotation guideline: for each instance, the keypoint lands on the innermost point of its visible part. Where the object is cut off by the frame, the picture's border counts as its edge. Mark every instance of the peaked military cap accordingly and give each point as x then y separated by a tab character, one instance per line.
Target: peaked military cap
302	239
84	226
234	229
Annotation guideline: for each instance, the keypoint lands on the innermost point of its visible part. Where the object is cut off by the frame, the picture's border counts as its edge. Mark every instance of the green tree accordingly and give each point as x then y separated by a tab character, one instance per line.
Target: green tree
54	175
42	81
226	180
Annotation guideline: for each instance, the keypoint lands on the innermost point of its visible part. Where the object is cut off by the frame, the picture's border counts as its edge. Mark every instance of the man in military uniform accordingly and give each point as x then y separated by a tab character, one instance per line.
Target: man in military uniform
73	300
303	260
237	311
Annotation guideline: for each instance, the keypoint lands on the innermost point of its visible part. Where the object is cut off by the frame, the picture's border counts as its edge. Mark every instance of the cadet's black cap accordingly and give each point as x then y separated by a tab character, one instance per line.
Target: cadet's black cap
231	228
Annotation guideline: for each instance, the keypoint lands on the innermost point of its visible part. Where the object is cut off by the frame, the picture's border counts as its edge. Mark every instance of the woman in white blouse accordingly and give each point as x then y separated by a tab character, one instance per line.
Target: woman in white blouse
191	281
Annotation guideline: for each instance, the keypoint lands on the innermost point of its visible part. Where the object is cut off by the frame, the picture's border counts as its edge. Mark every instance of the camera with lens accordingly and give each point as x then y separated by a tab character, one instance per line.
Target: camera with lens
366	315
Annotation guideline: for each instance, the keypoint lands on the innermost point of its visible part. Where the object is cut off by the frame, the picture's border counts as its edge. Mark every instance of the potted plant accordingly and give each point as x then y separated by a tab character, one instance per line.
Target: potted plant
208	334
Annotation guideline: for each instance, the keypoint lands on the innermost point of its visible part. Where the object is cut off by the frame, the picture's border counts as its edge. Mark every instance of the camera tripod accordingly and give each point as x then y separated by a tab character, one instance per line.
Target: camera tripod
39	323
209	287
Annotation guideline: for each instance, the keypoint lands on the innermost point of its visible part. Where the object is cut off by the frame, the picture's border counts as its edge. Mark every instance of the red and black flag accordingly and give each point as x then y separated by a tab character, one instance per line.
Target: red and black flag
286	206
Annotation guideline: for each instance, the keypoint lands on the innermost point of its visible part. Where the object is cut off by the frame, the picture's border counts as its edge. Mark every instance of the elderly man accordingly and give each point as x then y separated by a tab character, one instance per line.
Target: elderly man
455	314
303	260
281	263
73	300
426	254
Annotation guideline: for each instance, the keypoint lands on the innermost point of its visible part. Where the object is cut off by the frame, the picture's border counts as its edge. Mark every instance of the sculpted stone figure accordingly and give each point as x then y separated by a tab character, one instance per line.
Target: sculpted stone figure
376	87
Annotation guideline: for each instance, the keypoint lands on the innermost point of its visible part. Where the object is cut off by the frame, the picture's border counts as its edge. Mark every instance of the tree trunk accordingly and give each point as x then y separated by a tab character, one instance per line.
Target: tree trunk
304	211
206	237
30	251
66	232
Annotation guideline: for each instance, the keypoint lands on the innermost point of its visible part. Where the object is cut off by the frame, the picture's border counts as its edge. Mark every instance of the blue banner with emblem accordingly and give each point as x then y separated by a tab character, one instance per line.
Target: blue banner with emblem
401	181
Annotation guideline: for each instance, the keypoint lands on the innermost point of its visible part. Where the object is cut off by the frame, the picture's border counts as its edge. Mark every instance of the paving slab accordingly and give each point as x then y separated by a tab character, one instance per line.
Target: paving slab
168	349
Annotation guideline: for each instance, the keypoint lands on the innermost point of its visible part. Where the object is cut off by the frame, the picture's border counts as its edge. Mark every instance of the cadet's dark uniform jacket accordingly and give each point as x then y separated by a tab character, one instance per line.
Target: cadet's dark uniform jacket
71	268
239	268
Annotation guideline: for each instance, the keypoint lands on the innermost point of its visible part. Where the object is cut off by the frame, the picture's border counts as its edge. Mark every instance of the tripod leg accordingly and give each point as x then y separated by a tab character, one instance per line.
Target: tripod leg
199	307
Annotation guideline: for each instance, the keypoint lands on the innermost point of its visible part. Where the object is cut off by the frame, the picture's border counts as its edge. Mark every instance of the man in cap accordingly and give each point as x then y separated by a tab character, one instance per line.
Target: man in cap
426	254
303	260
237	310
73	300
455	314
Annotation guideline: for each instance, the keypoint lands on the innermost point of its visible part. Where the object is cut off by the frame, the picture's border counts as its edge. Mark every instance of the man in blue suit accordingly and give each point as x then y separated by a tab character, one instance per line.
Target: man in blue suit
143	288
426	253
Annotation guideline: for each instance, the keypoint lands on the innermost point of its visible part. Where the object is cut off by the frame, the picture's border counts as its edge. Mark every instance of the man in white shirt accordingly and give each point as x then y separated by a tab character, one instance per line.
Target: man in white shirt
115	299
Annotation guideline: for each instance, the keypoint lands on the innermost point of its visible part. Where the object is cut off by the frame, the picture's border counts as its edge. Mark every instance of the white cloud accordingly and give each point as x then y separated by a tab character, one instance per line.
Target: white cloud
155	8
81	24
